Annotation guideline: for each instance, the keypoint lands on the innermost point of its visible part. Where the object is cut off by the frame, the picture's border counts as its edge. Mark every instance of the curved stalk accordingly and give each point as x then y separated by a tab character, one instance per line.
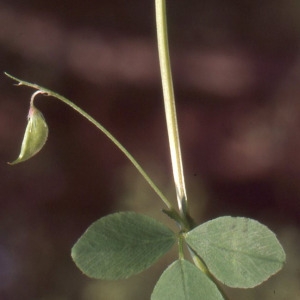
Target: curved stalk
48	92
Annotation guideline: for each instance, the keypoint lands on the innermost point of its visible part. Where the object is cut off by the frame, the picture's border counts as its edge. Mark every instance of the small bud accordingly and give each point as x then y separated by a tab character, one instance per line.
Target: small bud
35	136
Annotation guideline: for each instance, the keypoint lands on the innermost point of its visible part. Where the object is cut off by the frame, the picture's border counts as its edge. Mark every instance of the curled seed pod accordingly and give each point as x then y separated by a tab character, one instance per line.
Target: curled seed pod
35	136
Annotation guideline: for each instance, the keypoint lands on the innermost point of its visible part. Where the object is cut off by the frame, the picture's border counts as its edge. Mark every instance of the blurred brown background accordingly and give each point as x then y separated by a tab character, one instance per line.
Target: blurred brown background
237	82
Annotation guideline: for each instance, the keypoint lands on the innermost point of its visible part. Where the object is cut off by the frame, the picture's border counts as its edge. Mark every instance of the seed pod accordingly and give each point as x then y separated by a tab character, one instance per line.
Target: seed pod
35	136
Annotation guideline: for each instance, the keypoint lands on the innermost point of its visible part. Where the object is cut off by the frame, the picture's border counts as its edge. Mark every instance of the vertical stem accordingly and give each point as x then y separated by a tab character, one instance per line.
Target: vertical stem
180	247
169	102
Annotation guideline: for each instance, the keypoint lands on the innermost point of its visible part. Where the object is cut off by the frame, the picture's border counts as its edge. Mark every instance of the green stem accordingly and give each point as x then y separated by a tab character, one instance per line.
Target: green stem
105	131
169	102
170	110
180	246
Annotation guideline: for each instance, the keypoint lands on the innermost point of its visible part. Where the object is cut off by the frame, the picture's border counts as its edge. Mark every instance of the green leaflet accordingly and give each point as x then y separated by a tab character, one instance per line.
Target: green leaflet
35	136
121	245
240	252
183	281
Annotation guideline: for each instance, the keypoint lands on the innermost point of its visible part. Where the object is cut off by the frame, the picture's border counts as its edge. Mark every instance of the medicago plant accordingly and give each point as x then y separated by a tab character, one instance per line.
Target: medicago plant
236	251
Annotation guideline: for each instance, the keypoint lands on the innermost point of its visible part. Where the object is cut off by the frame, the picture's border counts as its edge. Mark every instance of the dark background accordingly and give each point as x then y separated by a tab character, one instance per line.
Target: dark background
237	81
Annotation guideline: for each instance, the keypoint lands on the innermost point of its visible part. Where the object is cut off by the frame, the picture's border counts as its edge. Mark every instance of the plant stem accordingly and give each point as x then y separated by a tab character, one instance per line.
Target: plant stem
170	110
169	102
180	247
105	131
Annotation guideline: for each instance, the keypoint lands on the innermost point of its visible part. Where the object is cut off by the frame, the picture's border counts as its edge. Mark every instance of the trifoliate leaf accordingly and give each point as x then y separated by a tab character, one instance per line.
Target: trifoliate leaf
35	136
240	252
